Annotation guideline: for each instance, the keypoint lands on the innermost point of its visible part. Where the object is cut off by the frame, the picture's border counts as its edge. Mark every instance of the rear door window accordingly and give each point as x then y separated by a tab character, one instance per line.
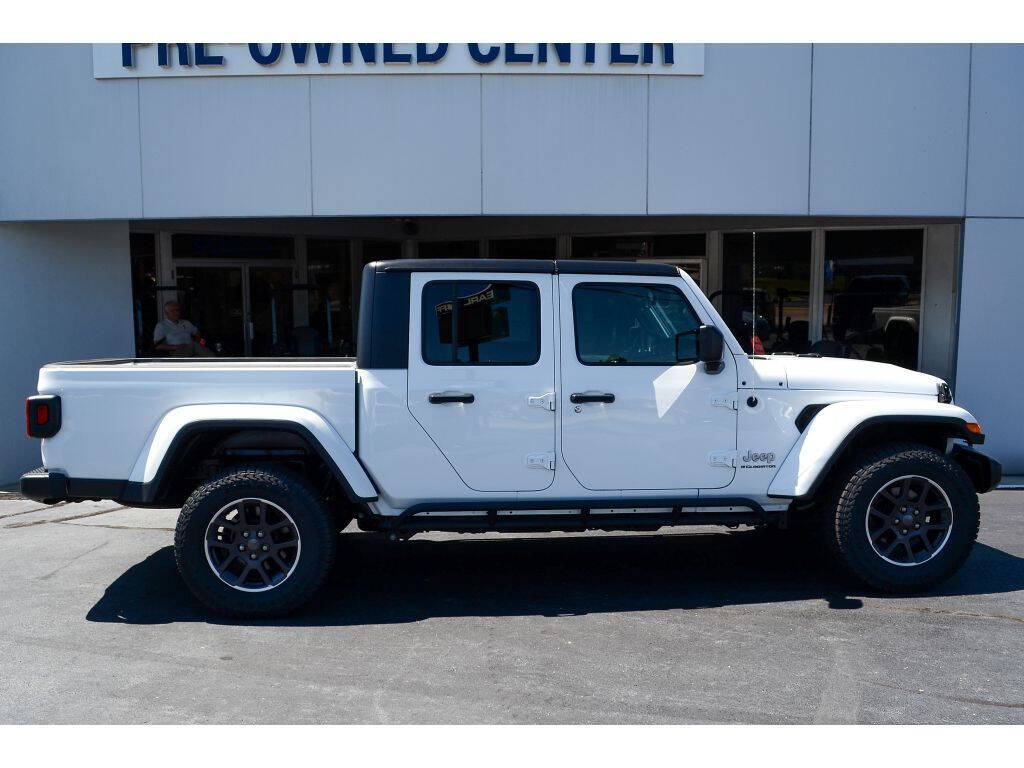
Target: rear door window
481	323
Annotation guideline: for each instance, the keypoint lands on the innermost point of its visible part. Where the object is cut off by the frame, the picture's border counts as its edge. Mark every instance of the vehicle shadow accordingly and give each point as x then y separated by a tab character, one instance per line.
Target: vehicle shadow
377	582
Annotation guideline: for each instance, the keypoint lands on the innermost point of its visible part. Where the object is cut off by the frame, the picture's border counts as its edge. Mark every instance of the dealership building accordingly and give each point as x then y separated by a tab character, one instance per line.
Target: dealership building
861	201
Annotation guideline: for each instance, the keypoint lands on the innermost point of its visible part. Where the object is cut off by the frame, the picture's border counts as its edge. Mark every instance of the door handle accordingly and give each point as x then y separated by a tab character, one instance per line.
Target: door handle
582	397
450	397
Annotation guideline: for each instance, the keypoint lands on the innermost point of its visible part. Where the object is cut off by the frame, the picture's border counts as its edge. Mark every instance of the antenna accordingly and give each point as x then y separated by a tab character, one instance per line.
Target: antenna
753	291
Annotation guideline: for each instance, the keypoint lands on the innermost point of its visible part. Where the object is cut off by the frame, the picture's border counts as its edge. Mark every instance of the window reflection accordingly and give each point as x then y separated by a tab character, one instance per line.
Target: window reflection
523	248
330	331
449	249
474	323
144	290
779	297
629	323
872	305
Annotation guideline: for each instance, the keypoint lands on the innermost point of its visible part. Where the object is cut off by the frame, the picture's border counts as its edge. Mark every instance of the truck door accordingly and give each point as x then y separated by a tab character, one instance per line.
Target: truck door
482	375
632	417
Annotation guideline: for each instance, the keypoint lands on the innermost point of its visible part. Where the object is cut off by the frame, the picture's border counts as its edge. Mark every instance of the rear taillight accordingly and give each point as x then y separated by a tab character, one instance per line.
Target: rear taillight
42	415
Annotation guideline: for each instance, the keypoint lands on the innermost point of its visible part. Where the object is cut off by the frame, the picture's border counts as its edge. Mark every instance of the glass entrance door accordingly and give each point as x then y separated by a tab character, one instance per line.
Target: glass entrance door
212	298
241	310
270	311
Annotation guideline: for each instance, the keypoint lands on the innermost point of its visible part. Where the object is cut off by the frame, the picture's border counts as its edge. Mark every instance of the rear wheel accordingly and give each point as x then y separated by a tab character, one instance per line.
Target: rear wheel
254	542
906	518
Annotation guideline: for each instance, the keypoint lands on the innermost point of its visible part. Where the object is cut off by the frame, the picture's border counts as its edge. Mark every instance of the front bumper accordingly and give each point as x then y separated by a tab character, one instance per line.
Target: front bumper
984	471
43	486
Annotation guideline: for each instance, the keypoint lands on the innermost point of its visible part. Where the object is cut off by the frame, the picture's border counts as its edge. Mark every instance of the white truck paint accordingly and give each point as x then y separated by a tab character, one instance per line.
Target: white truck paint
245	415
558	408
807	459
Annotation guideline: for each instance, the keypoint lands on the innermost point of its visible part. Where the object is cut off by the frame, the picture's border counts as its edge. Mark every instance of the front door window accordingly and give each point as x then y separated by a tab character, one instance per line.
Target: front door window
618	324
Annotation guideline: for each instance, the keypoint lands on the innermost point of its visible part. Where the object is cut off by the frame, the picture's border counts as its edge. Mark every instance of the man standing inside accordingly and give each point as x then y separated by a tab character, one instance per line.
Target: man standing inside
177	336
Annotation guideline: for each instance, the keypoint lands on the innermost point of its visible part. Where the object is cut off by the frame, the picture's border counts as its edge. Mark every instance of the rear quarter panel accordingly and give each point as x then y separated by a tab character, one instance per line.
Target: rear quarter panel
110	411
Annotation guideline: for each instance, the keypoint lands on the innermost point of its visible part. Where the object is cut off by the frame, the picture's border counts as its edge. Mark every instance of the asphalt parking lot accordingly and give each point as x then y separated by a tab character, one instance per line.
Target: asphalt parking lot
700	625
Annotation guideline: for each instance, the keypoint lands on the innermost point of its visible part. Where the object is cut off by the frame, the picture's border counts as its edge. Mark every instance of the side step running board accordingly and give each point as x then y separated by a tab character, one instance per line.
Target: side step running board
413	520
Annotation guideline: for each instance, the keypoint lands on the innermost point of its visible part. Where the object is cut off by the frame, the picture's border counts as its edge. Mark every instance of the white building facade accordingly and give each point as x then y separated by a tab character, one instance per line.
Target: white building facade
855	200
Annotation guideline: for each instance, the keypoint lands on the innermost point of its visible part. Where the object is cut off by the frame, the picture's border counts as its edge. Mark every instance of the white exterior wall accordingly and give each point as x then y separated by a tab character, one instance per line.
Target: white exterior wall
990	359
996	160
736	140
240	148
889	130
768	129
990	353
69	145
70	283
408	143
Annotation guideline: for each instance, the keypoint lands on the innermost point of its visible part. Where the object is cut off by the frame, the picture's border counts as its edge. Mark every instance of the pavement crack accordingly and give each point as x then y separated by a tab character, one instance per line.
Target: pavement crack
89	551
28	511
116	527
948	697
64	519
957	612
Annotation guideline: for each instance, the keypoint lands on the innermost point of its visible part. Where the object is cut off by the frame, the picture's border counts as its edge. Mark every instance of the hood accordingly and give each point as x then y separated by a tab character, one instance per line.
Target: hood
856	375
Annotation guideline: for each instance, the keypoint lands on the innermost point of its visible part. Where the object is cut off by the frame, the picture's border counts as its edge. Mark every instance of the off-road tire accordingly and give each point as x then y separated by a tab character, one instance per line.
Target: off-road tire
855	487
291	493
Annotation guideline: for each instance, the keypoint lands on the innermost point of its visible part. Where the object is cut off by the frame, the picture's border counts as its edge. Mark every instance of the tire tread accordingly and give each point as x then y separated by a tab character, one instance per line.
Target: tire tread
845	522
274	602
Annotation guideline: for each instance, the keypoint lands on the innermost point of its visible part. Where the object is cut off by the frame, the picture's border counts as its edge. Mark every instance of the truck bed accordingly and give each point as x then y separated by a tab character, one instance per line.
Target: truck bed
111	407
242	361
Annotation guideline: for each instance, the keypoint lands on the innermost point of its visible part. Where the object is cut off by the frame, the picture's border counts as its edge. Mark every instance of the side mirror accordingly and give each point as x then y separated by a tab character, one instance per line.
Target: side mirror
704	344
710	345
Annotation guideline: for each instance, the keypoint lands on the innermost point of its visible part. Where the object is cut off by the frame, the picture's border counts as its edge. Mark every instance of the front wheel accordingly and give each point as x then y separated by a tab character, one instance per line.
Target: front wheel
254	542
906	518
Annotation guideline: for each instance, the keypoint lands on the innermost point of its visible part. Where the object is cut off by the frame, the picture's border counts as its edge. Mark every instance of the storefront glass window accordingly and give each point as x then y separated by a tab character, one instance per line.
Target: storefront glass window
144	283
612	248
686	250
212	299
872	304
449	249
768	312
671	247
381	250
271	293
686	246
331	316
233	247
522	248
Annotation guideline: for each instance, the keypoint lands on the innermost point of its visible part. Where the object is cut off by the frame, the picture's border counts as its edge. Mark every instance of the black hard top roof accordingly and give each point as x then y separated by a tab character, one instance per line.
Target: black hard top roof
532	266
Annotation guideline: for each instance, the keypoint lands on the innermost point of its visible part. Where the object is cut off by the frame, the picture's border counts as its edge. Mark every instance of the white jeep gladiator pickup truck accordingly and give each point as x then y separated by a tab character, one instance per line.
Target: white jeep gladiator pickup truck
493	395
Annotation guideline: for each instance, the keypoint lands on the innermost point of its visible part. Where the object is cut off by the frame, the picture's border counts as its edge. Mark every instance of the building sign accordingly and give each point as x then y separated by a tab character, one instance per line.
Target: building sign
223	59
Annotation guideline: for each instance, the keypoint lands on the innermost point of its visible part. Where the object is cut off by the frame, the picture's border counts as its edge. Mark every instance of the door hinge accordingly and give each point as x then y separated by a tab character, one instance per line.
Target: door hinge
545	401
724	401
541	460
722	458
